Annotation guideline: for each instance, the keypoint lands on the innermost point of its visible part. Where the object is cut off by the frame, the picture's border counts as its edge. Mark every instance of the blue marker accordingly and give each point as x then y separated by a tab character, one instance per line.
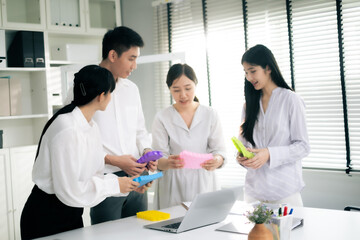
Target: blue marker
291	210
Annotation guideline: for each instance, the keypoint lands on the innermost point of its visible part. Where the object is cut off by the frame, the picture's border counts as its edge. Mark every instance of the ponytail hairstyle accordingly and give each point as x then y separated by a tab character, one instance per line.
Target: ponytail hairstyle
89	82
177	70
258	55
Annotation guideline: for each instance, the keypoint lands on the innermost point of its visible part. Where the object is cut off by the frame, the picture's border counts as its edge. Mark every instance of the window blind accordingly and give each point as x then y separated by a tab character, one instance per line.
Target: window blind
317	80
226	43
351	39
267	25
187	35
315	58
161	45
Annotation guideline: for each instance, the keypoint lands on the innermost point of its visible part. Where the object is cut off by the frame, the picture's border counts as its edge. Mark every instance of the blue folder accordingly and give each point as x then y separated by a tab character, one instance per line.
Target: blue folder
148	178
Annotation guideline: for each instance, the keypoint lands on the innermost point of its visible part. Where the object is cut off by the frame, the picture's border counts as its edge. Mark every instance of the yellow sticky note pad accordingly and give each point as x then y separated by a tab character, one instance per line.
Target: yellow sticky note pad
153	215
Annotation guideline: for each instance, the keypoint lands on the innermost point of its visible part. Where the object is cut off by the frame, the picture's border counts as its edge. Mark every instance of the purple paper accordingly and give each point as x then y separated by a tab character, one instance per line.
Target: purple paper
150	156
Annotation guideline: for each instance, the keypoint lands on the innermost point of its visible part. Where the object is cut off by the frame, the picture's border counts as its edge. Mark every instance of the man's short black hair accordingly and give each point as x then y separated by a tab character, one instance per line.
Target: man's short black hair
120	39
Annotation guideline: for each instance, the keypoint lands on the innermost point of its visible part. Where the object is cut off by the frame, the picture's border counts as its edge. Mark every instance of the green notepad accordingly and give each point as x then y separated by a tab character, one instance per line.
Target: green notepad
241	148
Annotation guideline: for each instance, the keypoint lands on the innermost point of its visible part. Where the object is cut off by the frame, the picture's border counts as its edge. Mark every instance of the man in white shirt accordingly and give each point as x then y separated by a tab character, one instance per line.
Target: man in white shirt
122	125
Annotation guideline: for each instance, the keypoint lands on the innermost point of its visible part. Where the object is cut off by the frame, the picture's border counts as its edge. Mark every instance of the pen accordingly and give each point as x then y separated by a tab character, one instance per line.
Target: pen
280	212
285	210
291	210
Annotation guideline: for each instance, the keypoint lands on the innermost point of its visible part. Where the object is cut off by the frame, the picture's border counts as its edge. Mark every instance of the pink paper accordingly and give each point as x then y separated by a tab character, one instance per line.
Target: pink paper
193	160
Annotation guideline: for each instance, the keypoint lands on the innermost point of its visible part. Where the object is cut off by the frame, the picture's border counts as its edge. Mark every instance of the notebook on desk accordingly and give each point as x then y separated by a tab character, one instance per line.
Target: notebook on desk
205	209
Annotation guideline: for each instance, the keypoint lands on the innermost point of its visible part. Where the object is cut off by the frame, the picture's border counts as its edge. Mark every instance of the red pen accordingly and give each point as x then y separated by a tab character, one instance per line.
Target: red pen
285	210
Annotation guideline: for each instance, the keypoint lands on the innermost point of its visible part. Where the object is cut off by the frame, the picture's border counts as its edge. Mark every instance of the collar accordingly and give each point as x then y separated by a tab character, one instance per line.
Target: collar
123	82
81	120
177	119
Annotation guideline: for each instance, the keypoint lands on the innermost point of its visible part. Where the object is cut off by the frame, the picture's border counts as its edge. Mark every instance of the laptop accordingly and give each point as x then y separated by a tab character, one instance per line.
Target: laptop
205	209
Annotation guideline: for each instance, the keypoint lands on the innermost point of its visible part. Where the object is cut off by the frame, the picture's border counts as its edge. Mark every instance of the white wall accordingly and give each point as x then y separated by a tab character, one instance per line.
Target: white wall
138	15
324	189
328	189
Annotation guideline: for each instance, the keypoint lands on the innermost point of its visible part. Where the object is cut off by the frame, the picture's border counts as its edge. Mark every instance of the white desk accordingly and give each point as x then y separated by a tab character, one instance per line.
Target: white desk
318	224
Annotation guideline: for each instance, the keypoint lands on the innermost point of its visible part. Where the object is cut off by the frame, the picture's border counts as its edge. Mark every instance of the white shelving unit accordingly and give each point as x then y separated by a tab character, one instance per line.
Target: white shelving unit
40	89
29	108
96	10
23	15
6	206
65	15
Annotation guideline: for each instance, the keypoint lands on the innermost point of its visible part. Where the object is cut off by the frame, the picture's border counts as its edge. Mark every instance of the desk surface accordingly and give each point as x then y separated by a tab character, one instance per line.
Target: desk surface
318	224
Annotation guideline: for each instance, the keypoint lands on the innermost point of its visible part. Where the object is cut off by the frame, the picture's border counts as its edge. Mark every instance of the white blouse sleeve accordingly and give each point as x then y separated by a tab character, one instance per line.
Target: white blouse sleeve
299	146
160	137
216	143
67	167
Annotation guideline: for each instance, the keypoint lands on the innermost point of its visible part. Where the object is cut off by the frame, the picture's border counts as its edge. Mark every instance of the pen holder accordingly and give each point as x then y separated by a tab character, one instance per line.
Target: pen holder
281	227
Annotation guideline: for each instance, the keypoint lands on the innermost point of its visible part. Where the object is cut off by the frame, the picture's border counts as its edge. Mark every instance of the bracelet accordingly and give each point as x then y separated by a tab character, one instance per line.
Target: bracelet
218	158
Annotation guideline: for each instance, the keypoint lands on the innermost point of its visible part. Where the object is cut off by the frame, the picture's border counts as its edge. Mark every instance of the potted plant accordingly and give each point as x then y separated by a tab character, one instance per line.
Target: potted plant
260	216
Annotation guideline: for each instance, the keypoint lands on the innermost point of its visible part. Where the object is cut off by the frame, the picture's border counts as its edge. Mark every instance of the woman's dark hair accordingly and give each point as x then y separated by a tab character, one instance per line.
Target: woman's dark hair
89	82
258	55
120	39
177	70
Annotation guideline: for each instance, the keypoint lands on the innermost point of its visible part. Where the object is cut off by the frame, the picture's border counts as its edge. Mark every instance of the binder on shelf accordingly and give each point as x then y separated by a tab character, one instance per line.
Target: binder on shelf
39	53
21	50
1	139
2	49
27	50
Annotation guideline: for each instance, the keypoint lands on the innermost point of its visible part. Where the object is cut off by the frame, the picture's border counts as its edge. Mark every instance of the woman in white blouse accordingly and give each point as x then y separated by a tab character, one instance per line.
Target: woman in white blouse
68	169
186	125
274	128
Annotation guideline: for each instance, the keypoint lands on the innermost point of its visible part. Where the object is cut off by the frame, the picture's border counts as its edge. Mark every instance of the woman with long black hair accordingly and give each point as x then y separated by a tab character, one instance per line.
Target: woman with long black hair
68	169
274	128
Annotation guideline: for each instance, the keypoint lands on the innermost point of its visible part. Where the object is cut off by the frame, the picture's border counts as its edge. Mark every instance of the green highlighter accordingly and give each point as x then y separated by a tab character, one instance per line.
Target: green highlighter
241	148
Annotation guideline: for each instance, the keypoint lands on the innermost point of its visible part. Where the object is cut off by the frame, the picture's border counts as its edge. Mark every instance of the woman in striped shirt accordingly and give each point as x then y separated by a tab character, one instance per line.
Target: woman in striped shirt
274	129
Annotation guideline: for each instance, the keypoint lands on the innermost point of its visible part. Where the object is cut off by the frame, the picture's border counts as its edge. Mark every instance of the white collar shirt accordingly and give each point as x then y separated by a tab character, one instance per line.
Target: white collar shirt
70	163
171	135
122	124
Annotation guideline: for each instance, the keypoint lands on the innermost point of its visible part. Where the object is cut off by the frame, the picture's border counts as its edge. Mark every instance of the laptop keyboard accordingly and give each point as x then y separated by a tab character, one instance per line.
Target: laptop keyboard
173	225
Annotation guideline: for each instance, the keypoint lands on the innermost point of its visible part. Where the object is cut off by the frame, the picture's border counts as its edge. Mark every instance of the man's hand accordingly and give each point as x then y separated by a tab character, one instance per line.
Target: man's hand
127	163
152	166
